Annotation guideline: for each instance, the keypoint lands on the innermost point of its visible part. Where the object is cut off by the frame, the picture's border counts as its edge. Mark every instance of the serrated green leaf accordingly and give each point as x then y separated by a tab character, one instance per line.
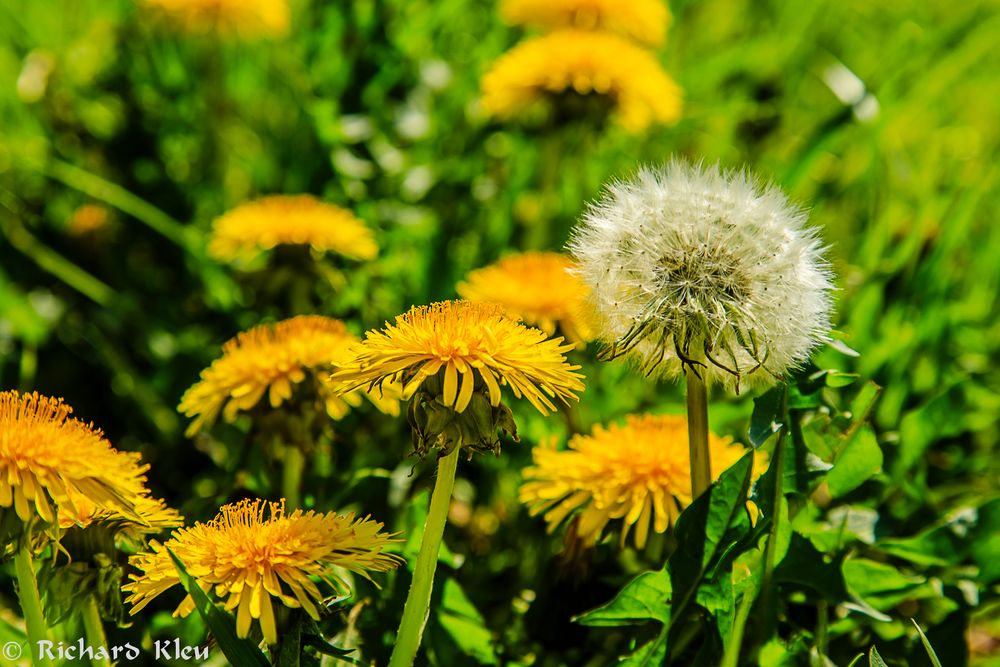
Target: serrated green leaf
222	625
651	654
767	418
874	659
946	542
466	626
860	458
883	586
701	531
645	598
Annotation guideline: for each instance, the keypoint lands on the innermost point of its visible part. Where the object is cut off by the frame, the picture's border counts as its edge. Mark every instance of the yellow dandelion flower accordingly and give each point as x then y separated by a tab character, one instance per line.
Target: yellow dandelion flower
585	63
156	517
645	21
253	552
638	472
272	358
538	287
267	223
245	18
48	458
460	339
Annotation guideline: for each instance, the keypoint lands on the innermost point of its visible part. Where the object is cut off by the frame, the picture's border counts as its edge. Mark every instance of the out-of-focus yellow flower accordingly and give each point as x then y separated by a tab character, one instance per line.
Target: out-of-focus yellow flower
538	287
244	18
48	458
88	219
155	516
586	63
645	21
253	552
460	339
272	358
638	472
263	224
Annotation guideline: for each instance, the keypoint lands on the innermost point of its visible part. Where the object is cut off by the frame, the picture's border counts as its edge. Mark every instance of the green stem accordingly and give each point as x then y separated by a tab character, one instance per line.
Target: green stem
539	235
94	630
770	555
732	654
52	262
29	365
697	409
822	612
31	604
417	606
291	479
123	200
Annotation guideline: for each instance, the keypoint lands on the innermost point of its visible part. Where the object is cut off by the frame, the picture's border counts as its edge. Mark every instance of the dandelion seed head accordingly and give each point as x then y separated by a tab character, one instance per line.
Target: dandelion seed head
694	267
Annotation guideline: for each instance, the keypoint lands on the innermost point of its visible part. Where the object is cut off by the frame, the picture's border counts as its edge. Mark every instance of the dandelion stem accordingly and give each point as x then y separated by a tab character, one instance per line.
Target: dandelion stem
291	478
778	465
417	606
31	603
94	630
697	409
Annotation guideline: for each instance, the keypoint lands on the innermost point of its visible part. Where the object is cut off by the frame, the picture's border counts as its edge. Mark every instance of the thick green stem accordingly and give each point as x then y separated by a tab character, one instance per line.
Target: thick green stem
822	613
770	553
417	607
31	604
697	409
94	630
291	478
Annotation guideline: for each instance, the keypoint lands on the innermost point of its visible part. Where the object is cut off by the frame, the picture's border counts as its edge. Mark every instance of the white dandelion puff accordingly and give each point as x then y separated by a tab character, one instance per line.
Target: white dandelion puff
694	268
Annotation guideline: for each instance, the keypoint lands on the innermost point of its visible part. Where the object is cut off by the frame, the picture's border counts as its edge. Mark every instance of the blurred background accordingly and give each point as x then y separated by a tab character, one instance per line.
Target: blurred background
123	136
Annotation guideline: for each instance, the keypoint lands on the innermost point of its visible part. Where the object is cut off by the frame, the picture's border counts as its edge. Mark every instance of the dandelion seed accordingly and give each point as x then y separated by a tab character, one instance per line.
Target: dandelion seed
539	288
266	223
585	63
272	359
638	473
252	552
695	268
645	21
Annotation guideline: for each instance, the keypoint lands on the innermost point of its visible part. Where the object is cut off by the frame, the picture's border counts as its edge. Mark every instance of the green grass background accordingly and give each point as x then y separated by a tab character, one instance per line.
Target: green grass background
881	118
